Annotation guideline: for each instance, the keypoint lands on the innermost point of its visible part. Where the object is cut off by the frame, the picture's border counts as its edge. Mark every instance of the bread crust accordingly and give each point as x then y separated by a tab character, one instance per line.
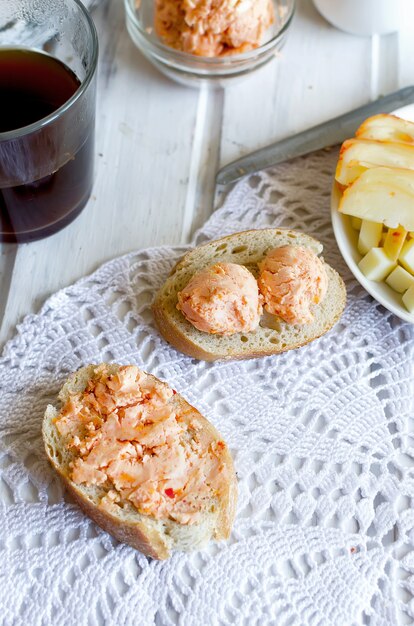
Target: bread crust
141	534
181	341
137	535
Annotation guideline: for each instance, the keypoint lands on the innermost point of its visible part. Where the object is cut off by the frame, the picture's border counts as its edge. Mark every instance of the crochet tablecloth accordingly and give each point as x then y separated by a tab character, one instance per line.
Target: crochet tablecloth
321	438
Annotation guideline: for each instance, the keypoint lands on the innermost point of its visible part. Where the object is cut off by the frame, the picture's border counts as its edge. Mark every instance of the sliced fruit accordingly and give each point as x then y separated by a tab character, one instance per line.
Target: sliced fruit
358	155
386	128
406	257
376	265
356	223
400	280
394	242
382	194
408	299
369	236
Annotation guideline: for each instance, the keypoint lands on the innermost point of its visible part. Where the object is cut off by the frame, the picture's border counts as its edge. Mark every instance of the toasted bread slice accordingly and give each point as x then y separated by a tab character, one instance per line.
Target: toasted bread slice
156	538
273	335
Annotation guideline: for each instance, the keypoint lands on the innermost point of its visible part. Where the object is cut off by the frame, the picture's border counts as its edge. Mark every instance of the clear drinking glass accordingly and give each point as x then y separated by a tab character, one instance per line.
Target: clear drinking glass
48	61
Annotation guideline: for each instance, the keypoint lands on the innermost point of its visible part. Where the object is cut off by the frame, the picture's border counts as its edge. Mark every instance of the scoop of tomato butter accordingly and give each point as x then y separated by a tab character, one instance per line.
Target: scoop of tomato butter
129	438
212	29
291	280
222	299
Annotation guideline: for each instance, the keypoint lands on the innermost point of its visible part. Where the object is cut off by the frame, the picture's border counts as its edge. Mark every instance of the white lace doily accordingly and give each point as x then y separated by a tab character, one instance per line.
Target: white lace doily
321	439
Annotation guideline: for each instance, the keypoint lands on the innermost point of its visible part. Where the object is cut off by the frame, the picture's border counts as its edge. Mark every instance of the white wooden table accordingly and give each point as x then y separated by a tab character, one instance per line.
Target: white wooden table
159	144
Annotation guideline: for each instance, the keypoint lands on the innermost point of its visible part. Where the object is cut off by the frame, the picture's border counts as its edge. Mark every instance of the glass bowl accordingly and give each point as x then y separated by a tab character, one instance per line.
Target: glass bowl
192	70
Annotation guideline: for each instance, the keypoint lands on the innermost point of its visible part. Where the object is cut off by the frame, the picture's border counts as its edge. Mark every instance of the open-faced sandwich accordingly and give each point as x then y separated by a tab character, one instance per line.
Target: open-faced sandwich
141	461
250	294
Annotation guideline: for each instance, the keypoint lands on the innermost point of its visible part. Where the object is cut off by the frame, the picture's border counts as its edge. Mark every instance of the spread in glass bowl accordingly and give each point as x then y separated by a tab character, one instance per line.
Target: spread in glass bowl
213	28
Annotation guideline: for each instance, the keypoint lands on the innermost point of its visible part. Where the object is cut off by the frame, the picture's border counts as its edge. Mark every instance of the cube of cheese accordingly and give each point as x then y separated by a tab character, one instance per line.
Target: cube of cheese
400	280
394	242
406	257
369	236
356	223
376	265
408	299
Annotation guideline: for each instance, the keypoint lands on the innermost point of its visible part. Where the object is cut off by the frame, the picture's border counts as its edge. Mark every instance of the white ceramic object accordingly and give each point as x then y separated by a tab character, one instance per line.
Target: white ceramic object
347	239
364	17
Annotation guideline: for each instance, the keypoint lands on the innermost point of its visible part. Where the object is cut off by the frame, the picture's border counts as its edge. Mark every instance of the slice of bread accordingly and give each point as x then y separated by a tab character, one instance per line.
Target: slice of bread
273	335
155	538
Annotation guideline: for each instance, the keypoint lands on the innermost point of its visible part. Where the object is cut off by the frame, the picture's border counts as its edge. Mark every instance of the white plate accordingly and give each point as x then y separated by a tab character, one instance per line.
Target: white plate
347	238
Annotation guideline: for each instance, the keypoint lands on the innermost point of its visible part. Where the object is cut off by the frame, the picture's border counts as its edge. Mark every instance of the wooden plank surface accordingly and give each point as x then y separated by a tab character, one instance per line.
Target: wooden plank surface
160	144
321	73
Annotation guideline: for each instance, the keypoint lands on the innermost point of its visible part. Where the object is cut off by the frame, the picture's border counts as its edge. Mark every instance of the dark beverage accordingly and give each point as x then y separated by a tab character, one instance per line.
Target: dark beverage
46	173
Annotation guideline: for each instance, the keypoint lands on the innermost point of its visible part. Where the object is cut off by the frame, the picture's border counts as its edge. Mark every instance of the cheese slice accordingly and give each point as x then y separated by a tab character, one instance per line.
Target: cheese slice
382	194
358	155
386	128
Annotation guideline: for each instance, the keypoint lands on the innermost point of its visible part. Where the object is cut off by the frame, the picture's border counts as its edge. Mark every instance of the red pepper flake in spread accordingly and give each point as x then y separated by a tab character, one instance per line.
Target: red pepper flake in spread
221	445
174	392
169	492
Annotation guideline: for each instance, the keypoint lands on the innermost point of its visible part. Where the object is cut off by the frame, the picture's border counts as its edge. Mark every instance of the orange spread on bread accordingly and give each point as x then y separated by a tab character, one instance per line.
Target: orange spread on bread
291	279
129	438
222	299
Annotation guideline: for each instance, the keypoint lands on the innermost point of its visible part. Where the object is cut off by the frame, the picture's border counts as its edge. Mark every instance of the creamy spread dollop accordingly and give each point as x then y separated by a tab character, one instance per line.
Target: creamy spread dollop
291	280
213	28
222	299
129	438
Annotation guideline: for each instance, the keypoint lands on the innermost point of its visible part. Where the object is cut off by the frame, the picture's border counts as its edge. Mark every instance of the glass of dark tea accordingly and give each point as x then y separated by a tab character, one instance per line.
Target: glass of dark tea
48	60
